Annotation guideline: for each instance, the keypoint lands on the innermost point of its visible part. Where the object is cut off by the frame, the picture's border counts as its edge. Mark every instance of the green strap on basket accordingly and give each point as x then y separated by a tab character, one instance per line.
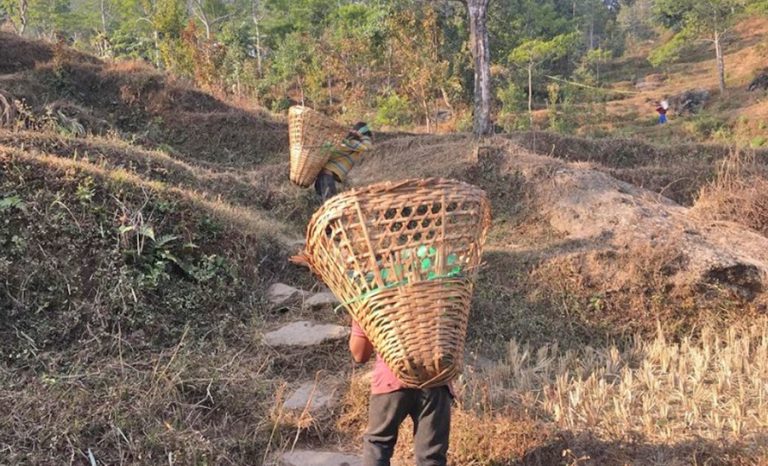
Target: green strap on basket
374	292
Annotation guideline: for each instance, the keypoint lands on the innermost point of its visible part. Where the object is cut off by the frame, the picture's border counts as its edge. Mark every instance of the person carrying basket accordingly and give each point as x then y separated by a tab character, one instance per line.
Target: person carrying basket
358	140
391	402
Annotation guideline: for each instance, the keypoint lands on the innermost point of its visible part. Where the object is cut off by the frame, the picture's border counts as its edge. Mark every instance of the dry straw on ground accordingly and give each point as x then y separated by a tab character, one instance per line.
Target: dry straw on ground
739	192
711	388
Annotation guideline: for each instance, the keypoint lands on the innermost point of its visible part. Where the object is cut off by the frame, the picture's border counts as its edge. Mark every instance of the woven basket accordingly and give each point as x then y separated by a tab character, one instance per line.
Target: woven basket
312	136
402	257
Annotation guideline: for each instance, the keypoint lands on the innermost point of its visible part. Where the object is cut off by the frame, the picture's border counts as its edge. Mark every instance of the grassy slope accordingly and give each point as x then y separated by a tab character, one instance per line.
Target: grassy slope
139	349
743	114
133	278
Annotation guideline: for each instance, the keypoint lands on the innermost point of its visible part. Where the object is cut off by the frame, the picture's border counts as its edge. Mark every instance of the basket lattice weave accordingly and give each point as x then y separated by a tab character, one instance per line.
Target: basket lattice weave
312	137
402	257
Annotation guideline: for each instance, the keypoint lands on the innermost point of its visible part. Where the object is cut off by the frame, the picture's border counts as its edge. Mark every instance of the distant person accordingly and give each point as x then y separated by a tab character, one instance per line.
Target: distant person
391	403
661	109
358	140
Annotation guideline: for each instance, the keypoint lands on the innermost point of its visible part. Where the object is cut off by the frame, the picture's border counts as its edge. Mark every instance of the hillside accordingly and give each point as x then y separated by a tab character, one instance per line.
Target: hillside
619	317
738	116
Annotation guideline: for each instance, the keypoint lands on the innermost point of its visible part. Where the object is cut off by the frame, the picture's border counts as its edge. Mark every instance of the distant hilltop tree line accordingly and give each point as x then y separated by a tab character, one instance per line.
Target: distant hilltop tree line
409	60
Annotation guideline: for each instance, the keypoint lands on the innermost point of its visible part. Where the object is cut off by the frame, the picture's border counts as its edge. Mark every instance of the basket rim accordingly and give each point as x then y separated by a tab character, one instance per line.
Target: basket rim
385	187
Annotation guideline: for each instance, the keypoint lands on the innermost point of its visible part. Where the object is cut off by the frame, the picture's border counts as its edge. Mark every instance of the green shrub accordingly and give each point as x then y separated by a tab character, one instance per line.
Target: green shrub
393	110
465	122
758	141
511	115
705	125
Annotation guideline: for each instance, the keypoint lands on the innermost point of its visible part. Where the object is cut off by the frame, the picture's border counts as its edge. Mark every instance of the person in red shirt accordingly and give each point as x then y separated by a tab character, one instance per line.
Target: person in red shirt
391	402
661	109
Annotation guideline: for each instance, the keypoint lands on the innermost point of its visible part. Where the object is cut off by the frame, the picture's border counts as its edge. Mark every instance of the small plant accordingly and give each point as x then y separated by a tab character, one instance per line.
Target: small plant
393	110
210	226
11	202
85	191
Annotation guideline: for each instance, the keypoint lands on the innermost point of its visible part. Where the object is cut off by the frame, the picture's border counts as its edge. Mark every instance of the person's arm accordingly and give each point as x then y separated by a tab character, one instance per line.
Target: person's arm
359	344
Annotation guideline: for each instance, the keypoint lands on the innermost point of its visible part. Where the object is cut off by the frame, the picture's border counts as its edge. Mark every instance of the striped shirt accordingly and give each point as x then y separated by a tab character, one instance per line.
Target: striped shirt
346	156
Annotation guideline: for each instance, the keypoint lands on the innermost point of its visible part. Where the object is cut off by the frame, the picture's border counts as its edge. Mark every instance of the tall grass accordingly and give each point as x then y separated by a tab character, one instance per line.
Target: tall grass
738	193
713	387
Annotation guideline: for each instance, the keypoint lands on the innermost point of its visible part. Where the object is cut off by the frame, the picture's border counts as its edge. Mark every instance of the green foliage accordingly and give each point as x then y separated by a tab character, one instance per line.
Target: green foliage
11	202
536	51
706	125
393	110
560	109
85	190
512	98
338	55
670	51
758	7
692	19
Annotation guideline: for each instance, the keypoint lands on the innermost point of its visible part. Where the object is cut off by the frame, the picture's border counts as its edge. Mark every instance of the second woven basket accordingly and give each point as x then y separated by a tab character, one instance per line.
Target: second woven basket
402	257
313	138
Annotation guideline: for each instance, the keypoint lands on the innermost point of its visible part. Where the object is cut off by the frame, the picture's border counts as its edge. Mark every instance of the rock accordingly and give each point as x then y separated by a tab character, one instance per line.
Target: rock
760	82
608	216
689	102
318	458
321	299
317	396
305	333
280	293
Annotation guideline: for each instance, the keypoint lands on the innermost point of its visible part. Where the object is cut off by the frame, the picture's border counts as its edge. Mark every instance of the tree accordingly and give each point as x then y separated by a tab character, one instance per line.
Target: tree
419	70
534	52
18	13
210	13
708	20
478	27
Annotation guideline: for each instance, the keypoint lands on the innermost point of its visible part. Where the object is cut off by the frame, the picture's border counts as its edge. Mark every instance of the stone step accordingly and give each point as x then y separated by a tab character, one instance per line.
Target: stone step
305	333
314	396
282	296
323	298
280	293
318	458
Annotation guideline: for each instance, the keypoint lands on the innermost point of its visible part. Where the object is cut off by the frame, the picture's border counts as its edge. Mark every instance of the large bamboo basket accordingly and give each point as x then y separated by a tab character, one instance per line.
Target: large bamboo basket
312	137
402	257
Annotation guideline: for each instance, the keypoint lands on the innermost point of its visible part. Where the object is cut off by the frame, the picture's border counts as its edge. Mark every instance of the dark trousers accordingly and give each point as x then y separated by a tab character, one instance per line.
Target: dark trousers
325	185
430	410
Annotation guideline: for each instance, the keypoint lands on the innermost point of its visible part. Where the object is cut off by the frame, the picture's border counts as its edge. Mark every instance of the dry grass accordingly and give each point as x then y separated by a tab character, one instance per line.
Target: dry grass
617	293
188	404
247	219
739	193
711	388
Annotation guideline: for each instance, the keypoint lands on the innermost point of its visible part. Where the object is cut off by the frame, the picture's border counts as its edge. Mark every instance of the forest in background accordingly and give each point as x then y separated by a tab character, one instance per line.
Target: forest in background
408	60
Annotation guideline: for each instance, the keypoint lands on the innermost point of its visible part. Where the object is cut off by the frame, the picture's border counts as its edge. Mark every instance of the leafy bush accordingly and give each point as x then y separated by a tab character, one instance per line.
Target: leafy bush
512	99
706	125
393	110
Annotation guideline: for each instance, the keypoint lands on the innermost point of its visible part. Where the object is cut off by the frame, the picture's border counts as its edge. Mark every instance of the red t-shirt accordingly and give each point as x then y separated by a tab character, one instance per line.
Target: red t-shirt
383	380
